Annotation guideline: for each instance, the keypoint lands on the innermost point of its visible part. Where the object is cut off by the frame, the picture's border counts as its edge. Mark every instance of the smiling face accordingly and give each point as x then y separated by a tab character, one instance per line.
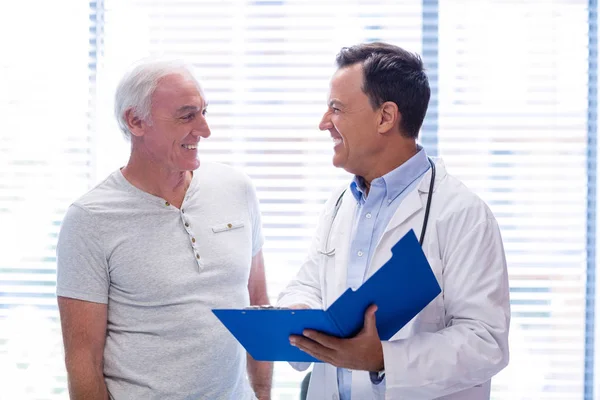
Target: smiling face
177	123
352	122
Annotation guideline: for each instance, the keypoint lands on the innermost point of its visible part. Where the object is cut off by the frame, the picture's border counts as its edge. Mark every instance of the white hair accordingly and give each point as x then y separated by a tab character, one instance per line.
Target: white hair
136	88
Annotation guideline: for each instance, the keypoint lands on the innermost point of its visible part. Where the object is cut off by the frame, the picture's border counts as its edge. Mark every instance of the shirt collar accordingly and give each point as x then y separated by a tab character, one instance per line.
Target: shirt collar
396	181
358	188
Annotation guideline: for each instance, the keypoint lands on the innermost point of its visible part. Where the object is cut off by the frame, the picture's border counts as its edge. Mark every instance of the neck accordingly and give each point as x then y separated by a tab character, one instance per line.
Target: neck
151	177
388	160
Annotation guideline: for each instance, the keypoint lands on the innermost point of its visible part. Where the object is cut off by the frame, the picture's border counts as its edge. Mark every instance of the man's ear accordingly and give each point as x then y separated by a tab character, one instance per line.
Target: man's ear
134	123
389	117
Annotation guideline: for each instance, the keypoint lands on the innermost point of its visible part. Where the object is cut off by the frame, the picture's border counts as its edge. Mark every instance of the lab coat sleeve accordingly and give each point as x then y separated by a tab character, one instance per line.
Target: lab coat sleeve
305	288
474	345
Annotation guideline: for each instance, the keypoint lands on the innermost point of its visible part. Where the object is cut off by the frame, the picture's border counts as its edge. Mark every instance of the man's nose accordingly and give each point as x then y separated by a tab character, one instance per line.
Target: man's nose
325	123
201	129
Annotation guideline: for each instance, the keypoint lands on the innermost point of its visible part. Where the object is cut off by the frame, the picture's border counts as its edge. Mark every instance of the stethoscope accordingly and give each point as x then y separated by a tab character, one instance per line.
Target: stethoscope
338	204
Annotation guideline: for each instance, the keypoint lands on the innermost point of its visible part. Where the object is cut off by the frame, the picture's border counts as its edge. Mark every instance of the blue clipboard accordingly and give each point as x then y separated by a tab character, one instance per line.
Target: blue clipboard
401	288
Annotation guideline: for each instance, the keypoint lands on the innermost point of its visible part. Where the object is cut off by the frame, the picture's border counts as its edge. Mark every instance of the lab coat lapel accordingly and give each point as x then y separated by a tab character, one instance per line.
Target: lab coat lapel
415	201
409	206
412	204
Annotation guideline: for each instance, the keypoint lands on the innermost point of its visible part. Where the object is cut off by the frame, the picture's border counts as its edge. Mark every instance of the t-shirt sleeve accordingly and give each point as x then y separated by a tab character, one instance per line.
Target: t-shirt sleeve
254	208
82	267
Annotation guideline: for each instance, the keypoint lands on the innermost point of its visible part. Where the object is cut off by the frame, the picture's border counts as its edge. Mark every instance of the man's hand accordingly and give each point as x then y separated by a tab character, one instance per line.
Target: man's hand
362	352
263	395
84	335
260	373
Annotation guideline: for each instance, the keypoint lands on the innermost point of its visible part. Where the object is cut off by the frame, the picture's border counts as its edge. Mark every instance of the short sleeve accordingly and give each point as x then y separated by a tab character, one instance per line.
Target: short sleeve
254	209
82	268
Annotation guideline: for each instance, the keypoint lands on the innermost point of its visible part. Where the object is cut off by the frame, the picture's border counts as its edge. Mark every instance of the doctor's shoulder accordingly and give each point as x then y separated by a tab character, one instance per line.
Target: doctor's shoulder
458	204
462	219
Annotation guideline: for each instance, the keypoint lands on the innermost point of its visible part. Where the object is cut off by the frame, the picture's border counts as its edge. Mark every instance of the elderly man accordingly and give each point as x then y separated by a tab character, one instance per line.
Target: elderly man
144	256
377	102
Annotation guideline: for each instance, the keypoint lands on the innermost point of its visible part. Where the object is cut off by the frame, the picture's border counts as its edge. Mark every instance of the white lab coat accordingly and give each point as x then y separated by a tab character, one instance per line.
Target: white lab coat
452	348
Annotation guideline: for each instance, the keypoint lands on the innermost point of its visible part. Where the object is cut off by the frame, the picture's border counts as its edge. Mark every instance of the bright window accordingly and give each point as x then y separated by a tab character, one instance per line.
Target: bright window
513	114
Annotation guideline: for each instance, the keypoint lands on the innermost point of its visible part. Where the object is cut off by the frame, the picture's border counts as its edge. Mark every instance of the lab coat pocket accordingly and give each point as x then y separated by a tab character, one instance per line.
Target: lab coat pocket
431	318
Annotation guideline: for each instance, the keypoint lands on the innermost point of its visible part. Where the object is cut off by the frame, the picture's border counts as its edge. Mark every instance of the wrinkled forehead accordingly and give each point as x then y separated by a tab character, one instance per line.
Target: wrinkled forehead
174	89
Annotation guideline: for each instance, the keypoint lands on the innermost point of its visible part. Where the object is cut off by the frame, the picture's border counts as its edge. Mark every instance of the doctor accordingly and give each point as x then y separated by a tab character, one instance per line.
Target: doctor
377	102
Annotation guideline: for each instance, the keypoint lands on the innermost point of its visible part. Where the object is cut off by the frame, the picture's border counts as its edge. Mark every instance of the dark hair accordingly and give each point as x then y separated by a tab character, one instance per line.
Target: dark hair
392	74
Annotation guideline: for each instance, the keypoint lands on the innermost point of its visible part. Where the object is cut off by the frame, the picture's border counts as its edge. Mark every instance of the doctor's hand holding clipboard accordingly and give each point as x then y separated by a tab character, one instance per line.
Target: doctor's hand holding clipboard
347	334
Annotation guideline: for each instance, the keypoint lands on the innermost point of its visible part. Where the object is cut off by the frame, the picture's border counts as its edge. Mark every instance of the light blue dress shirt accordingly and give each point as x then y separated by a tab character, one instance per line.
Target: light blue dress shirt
373	213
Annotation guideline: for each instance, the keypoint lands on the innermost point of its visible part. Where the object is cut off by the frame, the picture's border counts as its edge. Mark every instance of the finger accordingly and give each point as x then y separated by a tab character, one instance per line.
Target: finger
370	324
330	342
314	349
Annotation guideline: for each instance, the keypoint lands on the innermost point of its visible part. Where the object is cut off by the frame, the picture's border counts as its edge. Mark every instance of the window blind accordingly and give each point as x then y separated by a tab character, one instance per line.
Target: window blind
513	126
45	163
509	116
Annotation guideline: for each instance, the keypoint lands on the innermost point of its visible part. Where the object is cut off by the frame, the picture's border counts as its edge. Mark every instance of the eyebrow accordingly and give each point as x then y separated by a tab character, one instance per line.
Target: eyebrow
188	108
335	102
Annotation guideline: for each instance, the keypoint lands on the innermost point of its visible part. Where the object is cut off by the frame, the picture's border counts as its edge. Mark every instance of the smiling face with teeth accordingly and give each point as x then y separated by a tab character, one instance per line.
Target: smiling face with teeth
354	125
177	123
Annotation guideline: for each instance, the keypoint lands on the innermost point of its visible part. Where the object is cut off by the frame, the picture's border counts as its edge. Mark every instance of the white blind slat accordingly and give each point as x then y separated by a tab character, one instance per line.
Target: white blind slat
511	123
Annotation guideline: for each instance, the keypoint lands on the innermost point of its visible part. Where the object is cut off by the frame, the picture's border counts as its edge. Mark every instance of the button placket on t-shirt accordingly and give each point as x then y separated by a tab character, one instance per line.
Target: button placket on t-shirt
189	229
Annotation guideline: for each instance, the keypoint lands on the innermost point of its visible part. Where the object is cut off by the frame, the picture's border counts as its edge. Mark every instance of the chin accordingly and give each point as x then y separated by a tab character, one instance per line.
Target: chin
343	164
339	161
189	166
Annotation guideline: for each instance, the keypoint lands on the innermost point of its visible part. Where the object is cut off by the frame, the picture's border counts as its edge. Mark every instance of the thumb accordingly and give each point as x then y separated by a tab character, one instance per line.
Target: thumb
370	324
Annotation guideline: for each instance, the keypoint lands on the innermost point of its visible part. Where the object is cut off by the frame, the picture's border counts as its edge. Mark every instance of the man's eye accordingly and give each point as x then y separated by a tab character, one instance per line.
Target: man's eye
188	117
204	112
335	110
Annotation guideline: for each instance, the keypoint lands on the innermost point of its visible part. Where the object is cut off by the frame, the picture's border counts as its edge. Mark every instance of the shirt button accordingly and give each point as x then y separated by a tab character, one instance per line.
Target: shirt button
389	200
187	225
193	240
182	211
197	256
360	253
368	215
167	203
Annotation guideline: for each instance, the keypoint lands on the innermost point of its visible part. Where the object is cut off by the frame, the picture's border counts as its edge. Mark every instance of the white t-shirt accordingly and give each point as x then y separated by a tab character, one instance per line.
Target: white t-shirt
161	270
